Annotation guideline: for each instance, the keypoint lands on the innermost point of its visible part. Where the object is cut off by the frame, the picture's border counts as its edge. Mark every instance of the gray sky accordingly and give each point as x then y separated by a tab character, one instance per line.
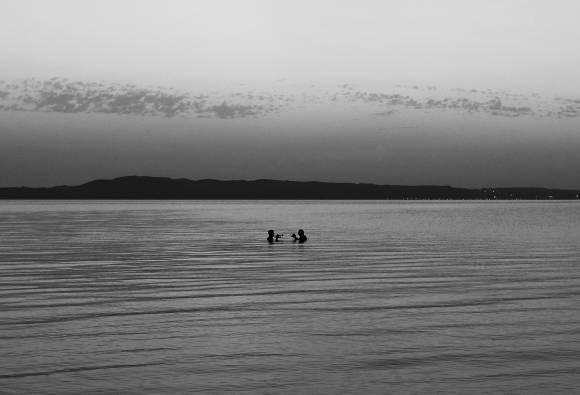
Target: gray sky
474	93
509	44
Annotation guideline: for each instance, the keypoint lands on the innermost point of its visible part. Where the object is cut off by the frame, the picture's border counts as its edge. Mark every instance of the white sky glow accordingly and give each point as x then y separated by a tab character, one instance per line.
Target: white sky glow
513	44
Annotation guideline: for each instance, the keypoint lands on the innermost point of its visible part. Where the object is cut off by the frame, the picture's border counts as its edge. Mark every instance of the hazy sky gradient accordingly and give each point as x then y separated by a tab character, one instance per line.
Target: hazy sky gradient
298	54
526	45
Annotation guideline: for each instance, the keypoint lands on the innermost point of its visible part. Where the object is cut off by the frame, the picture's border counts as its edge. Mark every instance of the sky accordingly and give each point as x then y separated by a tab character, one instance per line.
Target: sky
236	81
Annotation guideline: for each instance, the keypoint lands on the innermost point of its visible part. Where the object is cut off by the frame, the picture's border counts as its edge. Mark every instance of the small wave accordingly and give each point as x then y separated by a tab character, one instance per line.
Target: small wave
76	369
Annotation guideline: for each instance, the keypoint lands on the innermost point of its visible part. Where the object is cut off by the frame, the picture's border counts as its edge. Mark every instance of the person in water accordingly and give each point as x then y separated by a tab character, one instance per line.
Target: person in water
271	237
301	238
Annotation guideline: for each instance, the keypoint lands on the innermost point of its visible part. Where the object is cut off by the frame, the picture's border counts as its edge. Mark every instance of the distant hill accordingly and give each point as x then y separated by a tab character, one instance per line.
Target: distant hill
137	187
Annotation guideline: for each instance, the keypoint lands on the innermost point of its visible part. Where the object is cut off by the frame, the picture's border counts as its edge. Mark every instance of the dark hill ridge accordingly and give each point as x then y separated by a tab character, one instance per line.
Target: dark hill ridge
137	187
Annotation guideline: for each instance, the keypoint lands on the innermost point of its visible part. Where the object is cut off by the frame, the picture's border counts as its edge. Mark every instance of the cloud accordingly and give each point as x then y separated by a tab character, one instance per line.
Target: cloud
496	107
568	111
225	110
493	105
386	113
62	95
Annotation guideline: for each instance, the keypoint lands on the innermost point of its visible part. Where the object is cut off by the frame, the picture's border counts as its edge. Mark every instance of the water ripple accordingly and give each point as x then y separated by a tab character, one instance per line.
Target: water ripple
185	297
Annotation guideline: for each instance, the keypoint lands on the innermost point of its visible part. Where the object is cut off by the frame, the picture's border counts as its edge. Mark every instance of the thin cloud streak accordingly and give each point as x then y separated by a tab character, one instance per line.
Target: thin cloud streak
65	96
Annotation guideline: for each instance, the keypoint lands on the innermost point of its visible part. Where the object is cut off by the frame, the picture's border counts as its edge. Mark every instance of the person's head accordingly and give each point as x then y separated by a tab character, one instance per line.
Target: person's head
270	232
300	232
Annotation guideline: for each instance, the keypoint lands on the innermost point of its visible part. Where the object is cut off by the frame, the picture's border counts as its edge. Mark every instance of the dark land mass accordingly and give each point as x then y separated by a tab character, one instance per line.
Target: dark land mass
136	187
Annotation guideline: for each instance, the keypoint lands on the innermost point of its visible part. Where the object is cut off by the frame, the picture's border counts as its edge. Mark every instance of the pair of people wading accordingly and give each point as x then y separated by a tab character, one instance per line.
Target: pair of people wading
272	236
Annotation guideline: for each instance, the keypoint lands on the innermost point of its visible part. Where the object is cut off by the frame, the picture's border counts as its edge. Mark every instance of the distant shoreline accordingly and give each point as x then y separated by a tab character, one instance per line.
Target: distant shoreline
149	188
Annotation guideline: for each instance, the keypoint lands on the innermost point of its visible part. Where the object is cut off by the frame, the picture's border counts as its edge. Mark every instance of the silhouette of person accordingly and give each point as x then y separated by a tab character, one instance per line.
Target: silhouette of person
271	238
301	236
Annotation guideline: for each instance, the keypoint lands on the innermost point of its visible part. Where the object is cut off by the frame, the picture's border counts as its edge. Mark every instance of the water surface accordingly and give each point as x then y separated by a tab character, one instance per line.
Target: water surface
385	297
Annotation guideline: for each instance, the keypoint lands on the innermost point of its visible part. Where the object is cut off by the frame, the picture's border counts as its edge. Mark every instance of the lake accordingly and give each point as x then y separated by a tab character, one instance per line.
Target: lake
172	297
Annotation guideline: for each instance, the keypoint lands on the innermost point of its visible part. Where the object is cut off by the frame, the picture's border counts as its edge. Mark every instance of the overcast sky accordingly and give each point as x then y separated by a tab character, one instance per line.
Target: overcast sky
522	53
510	44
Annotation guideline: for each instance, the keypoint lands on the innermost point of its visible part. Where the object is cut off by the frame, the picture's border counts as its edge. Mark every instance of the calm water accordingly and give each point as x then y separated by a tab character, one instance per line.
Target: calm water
385	297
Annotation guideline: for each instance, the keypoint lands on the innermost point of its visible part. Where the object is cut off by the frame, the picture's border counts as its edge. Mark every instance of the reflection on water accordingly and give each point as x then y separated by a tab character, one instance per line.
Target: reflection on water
185	297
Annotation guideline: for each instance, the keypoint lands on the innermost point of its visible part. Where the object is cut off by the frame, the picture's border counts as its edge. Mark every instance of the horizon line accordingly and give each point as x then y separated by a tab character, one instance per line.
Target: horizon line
286	180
